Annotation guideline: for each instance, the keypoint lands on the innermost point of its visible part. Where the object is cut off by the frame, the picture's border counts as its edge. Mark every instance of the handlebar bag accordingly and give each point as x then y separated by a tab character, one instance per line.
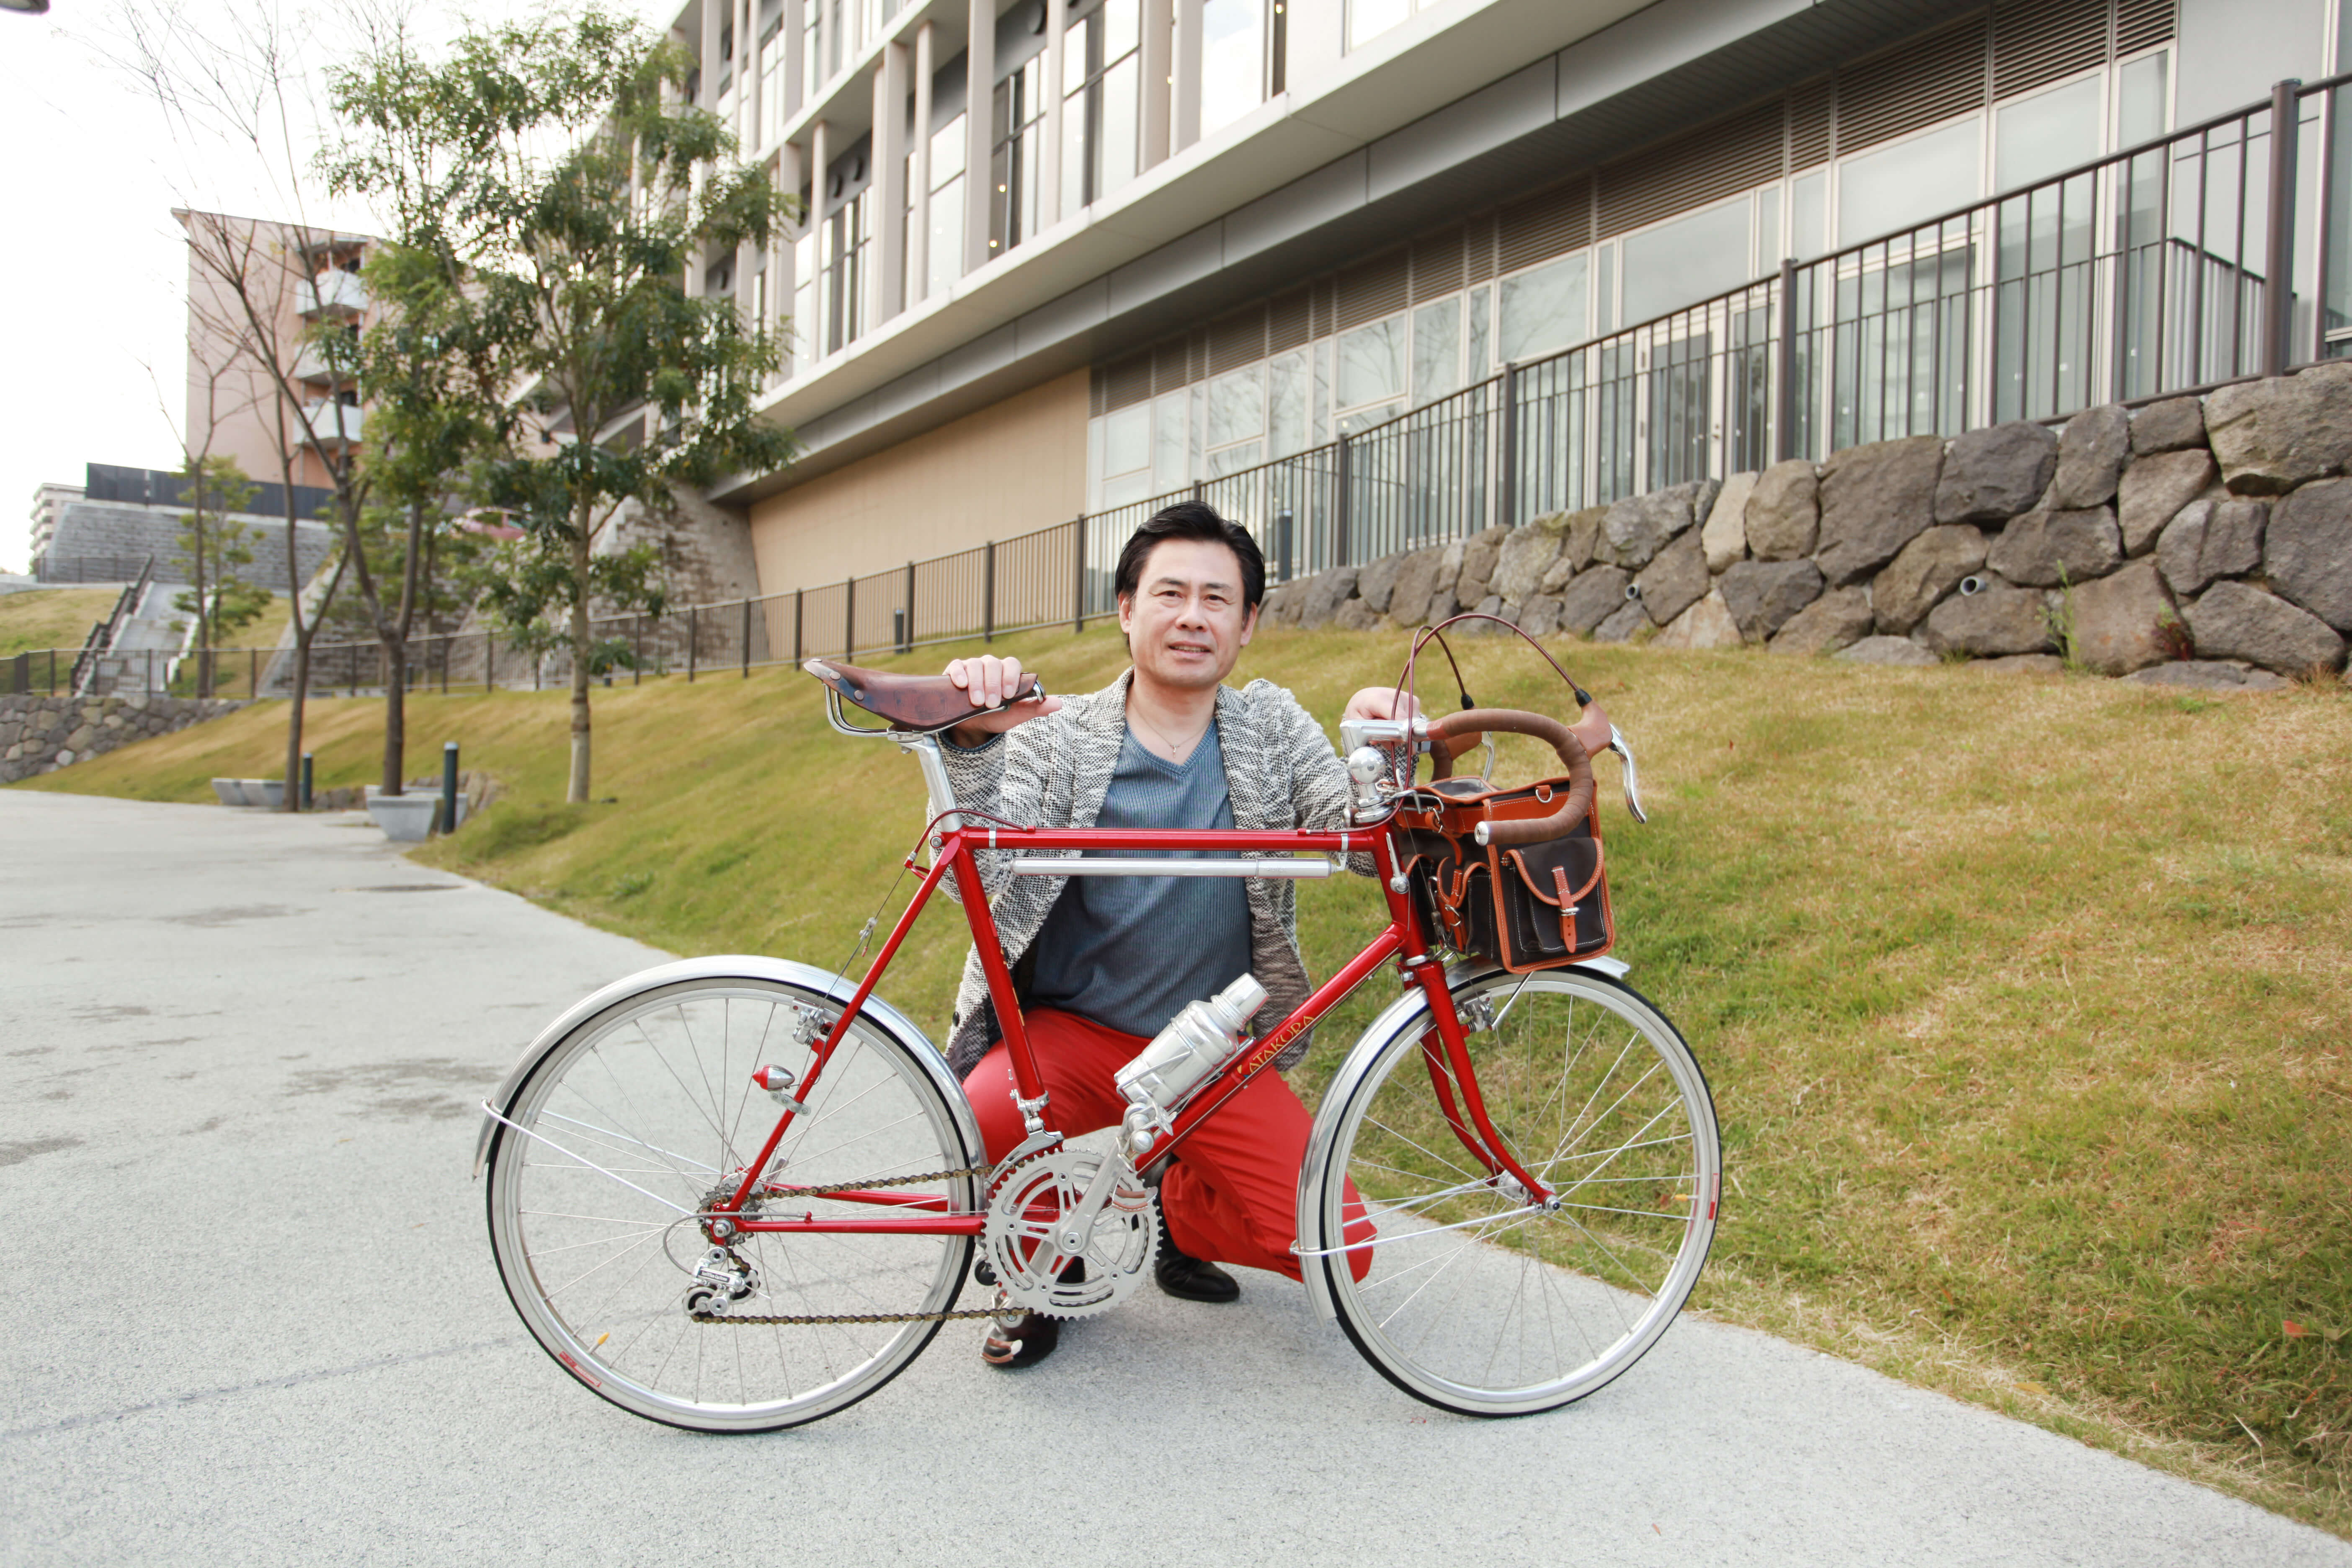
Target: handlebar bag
1535	906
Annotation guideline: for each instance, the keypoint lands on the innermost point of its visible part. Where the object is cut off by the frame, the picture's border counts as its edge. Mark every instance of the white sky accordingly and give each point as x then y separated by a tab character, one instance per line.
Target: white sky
94	273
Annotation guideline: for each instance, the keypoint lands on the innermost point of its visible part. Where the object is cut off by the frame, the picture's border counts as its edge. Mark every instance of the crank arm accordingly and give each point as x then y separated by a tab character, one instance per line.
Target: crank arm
1071	1232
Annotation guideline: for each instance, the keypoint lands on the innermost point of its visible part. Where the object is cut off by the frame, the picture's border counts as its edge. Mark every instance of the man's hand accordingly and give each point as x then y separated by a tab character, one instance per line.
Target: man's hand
987	681
1380	702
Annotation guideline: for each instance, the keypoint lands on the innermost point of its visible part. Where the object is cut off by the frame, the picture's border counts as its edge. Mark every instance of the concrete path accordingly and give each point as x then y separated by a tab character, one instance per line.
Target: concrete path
247	1313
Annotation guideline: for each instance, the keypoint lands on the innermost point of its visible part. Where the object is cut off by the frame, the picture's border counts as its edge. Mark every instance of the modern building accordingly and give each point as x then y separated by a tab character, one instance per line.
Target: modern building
1064	255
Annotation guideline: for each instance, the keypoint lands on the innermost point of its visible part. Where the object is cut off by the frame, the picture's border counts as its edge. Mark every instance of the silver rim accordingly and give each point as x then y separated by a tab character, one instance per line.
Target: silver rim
643	1110
1474	1302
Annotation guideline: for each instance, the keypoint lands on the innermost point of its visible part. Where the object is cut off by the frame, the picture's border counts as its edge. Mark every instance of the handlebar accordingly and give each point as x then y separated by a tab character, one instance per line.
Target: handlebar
1457	732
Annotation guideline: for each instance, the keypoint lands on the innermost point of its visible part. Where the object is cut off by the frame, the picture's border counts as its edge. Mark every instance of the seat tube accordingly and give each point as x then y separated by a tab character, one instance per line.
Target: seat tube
1026	1079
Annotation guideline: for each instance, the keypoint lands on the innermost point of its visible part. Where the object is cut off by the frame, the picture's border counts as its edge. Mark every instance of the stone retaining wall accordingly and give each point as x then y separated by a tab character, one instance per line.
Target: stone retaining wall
2211	534
42	734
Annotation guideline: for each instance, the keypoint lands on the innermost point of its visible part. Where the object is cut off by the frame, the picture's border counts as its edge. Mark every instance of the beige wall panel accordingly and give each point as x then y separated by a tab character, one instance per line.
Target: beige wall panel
1018	466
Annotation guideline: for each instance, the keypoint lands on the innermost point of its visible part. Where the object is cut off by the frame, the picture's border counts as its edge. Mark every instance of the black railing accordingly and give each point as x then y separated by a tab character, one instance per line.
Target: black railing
2144	274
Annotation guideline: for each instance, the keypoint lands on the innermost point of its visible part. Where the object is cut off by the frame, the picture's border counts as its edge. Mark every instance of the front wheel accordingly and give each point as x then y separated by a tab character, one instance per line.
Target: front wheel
646	1114
1469	1297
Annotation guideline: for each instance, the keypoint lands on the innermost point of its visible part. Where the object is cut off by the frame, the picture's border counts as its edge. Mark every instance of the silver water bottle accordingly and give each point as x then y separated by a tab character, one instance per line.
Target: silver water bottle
1188	1052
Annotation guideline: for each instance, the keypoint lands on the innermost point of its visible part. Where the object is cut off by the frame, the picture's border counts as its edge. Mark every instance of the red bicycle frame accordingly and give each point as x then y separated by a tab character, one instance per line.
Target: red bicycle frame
1403	939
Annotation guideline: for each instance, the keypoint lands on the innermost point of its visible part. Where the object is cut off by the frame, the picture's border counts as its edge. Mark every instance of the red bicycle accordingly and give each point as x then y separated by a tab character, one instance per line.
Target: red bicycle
738	1194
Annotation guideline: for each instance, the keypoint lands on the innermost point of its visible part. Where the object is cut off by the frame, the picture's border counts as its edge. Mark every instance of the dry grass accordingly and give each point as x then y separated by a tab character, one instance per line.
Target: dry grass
51	617
2024	1000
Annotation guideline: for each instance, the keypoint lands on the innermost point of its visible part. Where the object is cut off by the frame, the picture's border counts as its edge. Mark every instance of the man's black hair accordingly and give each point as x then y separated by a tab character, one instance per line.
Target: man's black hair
1191	519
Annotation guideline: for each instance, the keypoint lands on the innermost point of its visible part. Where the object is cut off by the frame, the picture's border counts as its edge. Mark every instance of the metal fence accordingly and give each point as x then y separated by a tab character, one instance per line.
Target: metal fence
2144	274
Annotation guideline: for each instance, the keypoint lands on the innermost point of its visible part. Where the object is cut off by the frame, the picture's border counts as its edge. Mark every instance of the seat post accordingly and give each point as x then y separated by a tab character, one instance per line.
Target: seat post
926	750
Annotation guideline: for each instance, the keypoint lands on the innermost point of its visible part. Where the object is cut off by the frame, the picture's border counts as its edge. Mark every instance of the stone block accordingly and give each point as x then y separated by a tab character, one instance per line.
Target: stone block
2045	548
1558	575
1998	619
2308	553
1676	580
1898	652
1478	553
2210	539
1622	626
1583	530
1325	594
1417	579
1539	616
1784	511
1874	500
2091	456
1723	535
1356	615
2209	674
2154	490
1705	625
1594	596
1990	476
2237	620
1927	569
2118	620
1376	583
1762	596
2168	426
1638	527
1524	557
1492	604
2271	436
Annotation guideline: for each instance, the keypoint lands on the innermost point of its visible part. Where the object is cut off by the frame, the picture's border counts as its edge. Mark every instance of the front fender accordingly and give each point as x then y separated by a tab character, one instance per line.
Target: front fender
1398	1016
731	966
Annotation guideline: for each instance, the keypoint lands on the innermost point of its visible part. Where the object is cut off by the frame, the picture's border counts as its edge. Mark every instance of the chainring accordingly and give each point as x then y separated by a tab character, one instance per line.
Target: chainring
1025	1206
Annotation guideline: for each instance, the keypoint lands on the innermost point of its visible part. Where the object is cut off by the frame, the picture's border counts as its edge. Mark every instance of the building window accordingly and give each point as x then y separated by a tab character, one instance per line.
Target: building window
1101	83
1233	60
1018	134
1542	309
770	120
1686	260
944	262
2034	138
843	260
1910	181
1436	351
1368	19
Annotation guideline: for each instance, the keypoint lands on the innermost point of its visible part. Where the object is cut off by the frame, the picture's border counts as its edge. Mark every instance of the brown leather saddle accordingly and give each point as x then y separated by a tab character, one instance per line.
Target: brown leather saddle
907	701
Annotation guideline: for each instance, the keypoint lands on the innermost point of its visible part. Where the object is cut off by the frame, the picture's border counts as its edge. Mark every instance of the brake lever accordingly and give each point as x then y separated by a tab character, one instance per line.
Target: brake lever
1632	779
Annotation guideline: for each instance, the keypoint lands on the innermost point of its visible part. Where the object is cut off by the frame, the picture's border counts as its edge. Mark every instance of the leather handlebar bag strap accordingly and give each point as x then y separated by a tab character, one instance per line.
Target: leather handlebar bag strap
1512	875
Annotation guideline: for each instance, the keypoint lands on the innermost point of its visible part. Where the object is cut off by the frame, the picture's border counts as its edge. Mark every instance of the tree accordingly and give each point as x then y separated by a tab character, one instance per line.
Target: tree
215	548
230	86
563	187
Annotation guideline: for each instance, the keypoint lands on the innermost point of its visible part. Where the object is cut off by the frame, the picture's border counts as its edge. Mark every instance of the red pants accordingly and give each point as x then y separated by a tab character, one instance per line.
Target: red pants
1231	1195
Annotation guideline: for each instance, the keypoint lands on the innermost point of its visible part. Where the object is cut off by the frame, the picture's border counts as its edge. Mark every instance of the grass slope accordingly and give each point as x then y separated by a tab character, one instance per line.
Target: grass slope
2024	1000
51	617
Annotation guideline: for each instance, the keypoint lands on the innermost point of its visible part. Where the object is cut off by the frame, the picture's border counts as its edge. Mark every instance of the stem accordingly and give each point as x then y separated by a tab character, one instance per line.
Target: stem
578	793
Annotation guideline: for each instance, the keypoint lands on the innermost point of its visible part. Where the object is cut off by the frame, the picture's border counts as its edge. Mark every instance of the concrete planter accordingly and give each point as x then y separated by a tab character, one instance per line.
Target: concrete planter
269	793
404	818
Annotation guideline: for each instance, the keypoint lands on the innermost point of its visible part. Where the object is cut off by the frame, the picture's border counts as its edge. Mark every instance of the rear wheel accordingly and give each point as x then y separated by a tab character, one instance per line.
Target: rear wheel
1473	1299
633	1122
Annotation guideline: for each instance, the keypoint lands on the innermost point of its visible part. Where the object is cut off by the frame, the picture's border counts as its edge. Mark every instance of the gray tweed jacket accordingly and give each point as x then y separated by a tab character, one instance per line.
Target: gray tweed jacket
1280	772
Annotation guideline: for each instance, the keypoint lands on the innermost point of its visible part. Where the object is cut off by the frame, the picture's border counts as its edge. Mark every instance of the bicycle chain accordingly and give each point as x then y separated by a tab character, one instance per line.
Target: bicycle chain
819	1319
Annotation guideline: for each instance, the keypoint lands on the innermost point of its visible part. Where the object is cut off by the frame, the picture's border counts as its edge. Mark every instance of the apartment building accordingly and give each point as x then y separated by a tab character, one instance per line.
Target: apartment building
1064	255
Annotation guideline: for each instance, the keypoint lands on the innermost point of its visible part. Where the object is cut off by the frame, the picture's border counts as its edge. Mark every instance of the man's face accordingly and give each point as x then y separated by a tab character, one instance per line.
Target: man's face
1185	625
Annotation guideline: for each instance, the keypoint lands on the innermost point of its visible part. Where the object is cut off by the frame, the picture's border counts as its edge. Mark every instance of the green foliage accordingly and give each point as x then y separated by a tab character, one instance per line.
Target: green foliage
551	186
526	591
215	547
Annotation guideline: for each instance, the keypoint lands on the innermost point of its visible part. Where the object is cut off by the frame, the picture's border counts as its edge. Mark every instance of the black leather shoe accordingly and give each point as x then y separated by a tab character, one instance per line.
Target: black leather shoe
1190	1279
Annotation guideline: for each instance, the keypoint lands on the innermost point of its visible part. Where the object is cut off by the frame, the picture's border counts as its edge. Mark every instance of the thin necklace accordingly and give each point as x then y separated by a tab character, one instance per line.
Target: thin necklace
1186	749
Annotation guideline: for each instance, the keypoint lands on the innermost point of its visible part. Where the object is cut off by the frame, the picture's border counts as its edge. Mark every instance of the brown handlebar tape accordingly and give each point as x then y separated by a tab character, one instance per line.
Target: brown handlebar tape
1458	733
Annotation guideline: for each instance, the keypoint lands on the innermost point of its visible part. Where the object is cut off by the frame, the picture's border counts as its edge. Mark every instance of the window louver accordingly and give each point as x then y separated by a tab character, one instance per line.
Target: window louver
1544	225
1374	289
1812	106
2143	25
1123	384
1237	339
1705	165
2038	41
1905	89
1478	249
1437	265
1288	320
